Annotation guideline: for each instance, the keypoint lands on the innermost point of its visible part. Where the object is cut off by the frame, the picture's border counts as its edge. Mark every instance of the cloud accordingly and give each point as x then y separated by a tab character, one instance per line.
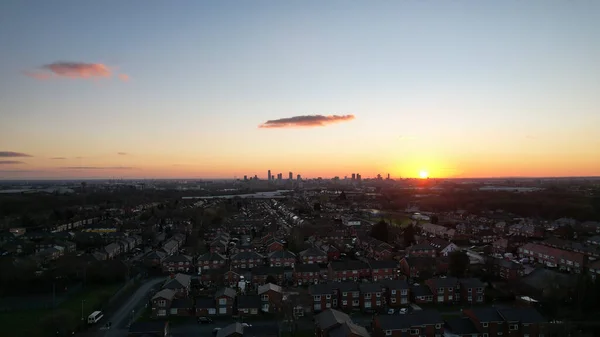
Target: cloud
306	121
97	168
11	154
73	70
122	153
58	158
10	162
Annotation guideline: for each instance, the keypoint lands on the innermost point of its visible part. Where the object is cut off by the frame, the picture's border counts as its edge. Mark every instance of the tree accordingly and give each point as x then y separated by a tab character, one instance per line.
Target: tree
458	264
317	207
409	235
380	231
271	279
434	219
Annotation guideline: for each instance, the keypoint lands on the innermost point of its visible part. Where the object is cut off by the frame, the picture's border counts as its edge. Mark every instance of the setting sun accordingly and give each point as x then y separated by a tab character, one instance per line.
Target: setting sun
423	174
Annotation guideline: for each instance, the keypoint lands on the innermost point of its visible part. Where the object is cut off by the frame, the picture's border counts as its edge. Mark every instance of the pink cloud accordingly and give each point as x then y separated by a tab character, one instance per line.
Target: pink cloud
306	121
74	70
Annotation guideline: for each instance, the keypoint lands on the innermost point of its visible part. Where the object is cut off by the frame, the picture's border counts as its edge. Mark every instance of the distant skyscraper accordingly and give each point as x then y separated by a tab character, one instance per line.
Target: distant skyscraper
279	176
291	176
298	177
269	175
358	176
353	176
388	176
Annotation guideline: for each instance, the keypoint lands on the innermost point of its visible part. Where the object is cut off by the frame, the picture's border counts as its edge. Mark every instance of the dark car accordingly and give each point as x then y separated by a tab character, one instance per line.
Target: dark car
204	320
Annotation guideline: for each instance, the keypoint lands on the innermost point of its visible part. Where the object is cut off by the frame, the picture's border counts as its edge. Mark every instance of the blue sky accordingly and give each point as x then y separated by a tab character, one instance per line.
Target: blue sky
432	85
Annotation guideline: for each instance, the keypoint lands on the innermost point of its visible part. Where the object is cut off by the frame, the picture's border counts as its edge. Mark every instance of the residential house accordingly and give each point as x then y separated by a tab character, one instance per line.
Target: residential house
154	258
161	302
507	270
348	270
49	254
553	257
112	250
384	269
347	295
371	296
180	283
442	247
271	297
594	269
178	263
231	277
472	290
182	307
274	245
306	273
594	240
261	274
427	323
397	292
444	289
421	294
249	305
282	258
232	330
423	267
328	321
323	295
349	329
225	298
313	255
247	260
421	250
205	306
149	329
497	322
526	230
460	327
170	247
211	261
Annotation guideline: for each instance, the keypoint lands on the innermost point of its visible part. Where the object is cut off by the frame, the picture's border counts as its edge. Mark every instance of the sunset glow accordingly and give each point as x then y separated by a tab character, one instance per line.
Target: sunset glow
209	90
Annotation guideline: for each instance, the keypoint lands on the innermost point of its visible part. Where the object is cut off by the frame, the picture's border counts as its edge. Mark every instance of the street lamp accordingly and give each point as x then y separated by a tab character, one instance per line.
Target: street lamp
82	301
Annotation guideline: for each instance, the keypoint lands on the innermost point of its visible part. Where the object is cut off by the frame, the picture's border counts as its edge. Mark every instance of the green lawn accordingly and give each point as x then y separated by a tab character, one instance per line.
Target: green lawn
398	220
35	323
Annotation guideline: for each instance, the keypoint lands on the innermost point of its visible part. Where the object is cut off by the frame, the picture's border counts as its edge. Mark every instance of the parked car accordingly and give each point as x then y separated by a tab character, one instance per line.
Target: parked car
204	320
216	330
403	311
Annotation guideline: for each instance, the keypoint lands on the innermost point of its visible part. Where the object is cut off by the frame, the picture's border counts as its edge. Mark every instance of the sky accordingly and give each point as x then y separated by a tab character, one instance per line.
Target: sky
223	89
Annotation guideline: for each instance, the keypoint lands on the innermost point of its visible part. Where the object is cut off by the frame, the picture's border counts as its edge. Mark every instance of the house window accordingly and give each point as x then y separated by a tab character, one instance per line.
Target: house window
414	331
317	298
393	291
404	292
470	289
485	335
264	297
344	302
344	294
514	327
377	294
355	303
368	296
438	326
162	303
222	301
393	300
328	296
484	324
355	294
212	311
388	332
173	311
479	290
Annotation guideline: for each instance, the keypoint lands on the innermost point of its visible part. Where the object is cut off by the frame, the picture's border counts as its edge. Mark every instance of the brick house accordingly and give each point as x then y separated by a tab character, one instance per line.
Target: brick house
313	255
421	250
498	322
382	270
247	260
371	296
553	257
329	320
443	289
262	273
282	258
427	323
417	267
323	295
248	305
442	247
348	270
274	245
347	295
231	278
154	258
180	283
205	306
397	292
211	261
161	302
421	294
271	297
306	274
472	290
507	270
225	299
182	307
218	246
177	263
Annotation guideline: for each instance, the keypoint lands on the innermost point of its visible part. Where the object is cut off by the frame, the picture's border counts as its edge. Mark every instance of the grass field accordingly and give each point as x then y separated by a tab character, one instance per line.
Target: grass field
398	220
34	323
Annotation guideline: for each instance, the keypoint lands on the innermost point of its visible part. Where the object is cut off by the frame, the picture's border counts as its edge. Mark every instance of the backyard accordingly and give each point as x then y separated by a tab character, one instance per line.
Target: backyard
41	322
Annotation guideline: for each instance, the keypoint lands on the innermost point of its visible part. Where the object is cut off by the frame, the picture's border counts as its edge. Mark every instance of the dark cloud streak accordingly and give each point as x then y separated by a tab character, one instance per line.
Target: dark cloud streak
97	168
305	121
11	154
10	162
58	158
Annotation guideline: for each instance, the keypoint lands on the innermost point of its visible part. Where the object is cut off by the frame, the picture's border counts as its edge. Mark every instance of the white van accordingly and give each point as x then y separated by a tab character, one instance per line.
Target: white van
95	317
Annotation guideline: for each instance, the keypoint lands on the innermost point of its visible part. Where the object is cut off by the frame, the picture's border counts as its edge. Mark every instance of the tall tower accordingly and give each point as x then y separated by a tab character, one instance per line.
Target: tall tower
291	176
269	175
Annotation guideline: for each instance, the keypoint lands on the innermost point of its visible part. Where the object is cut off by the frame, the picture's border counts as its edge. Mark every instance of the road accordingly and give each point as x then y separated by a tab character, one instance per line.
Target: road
122	317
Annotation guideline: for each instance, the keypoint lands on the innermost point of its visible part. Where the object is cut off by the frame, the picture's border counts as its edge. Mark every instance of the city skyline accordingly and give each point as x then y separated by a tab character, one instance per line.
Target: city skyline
216	90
